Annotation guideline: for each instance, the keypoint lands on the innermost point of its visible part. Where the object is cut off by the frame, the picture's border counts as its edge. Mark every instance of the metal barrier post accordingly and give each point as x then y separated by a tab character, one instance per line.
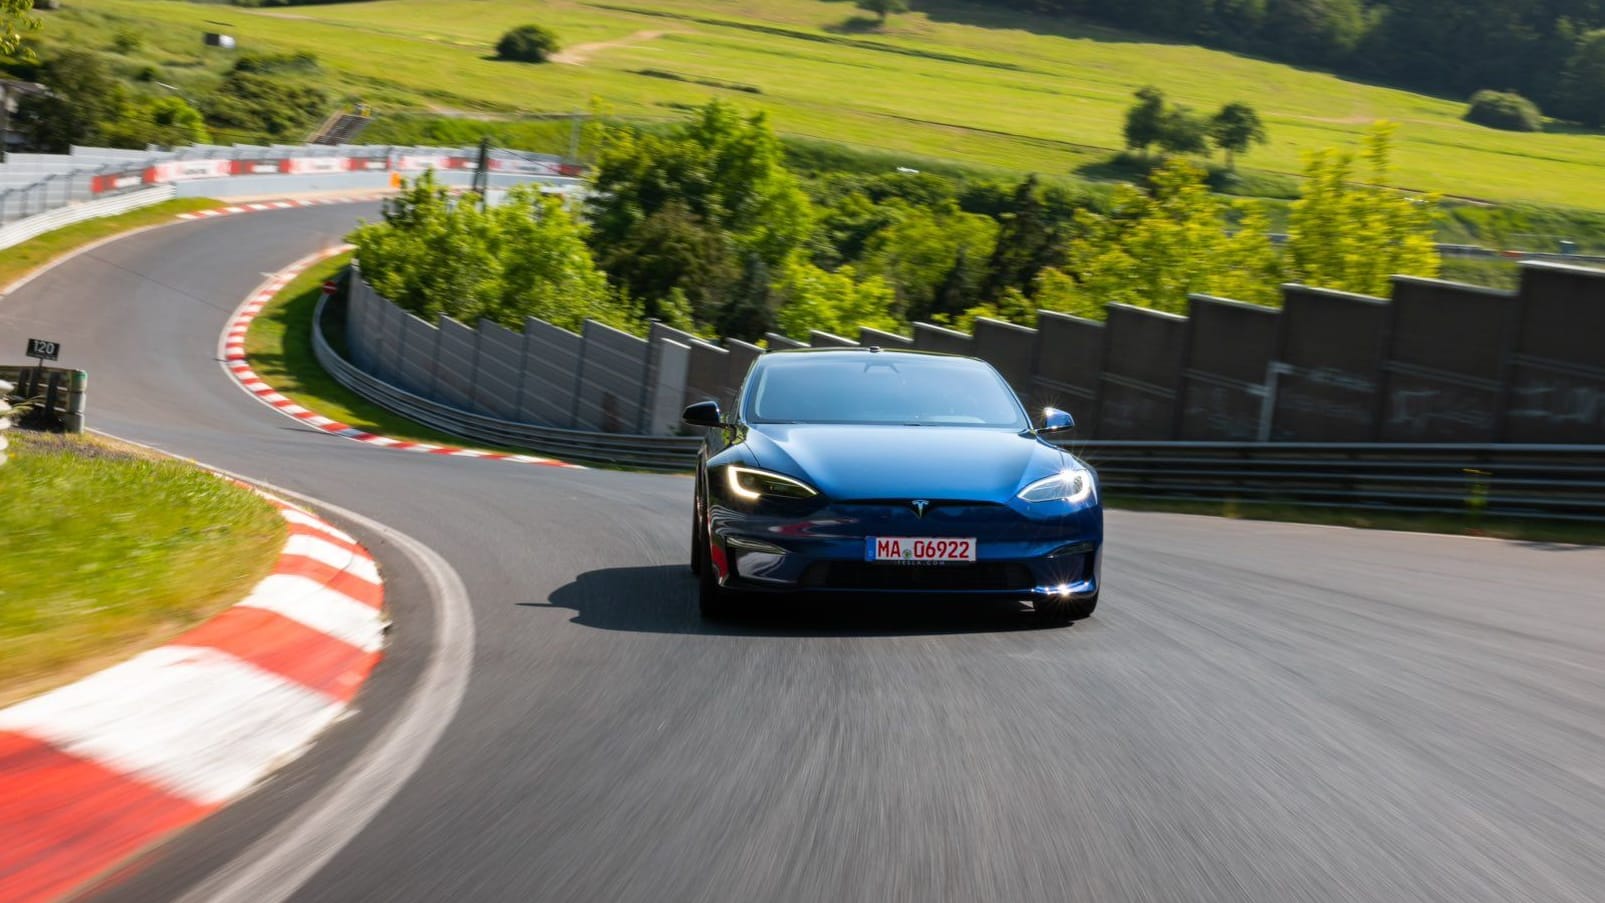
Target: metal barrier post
77	398
52	393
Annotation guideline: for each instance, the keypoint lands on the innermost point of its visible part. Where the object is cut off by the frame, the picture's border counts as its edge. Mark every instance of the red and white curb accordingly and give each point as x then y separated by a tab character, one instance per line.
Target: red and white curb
234	361
95	771
261	206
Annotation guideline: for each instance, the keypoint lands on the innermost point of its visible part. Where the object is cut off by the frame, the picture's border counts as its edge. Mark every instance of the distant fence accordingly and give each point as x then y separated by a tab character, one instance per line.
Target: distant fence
1439	363
20	231
39	192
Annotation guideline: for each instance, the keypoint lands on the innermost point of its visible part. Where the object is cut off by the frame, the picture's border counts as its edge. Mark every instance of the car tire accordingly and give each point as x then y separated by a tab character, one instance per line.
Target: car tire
1059	612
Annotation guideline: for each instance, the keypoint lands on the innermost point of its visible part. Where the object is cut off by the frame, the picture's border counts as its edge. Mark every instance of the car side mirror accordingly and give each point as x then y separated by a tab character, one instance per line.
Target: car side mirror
703	413
1055	420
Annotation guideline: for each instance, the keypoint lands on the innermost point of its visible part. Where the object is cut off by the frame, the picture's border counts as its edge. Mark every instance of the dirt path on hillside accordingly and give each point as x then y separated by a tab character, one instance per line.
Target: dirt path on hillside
580	54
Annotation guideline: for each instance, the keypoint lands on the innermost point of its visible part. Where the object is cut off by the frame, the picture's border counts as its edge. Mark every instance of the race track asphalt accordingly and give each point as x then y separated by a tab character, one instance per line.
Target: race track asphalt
1258	712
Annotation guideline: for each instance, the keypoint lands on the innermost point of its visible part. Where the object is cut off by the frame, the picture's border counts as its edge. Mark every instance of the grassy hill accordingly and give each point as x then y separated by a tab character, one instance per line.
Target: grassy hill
954	81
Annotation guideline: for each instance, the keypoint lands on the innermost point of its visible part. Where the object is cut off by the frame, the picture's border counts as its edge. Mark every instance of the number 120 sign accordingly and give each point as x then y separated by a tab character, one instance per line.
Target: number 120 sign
43	349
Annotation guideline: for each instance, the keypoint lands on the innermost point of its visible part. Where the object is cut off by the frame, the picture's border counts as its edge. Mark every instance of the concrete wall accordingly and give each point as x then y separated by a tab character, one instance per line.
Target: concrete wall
1229	346
1142	364
1444	371
1556	390
1438	363
1329	352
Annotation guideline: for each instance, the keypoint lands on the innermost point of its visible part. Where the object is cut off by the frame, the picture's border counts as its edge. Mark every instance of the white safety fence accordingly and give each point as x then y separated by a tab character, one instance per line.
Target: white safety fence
22	230
41	192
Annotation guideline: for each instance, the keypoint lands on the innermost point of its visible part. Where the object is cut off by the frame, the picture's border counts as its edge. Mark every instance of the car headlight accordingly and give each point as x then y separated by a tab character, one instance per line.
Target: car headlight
752	484
1073	484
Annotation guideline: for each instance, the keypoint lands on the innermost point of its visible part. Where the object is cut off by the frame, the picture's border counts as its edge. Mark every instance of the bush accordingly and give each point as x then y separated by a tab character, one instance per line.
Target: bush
264	63
264	106
527	44
1504	110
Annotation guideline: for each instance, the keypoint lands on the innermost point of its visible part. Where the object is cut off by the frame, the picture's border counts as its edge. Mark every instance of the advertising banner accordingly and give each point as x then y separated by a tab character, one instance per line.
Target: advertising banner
258	167
116	181
184	170
303	165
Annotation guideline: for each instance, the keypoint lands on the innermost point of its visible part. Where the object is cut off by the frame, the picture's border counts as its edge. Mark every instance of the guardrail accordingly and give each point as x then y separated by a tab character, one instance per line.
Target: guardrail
1558	482
621	450
1564	482
20	231
62	394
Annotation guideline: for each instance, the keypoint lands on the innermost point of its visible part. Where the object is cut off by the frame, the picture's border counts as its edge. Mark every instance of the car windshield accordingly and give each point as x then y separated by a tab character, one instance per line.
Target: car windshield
881	389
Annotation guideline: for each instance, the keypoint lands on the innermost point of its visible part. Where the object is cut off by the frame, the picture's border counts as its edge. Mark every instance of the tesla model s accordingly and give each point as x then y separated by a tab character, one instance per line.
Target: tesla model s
873	471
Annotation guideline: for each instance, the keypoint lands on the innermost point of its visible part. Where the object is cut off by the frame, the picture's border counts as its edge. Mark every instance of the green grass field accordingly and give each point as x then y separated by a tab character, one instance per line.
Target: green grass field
109	548
952	81
278	346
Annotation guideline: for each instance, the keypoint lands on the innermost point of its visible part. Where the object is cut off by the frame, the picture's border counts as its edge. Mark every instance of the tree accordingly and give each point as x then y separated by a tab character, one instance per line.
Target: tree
167	121
1234	128
920	248
748	311
1324	31
673	250
1582	84
1504	110
85	100
1354	237
883	8
1145	119
527	257
1182	131
14	20
1028	240
527	44
812	298
725	170
266	105
1156	247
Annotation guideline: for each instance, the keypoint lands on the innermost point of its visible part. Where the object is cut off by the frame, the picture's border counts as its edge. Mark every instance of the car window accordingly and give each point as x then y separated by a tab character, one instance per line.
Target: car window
881	388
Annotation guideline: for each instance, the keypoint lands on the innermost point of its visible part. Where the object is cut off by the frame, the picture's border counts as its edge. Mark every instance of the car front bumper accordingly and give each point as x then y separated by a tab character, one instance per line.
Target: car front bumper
1054	554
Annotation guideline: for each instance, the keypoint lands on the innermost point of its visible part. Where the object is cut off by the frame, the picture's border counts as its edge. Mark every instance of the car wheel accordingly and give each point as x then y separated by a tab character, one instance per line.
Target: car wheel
714	601
1059	612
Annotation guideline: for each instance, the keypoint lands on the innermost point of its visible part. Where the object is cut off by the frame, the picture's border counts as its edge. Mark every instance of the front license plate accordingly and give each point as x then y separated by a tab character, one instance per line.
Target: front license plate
918	549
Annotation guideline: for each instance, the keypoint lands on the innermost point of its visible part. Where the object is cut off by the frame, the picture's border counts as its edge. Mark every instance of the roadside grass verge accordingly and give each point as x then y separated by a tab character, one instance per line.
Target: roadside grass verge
110	548
20	260
278	347
1512	528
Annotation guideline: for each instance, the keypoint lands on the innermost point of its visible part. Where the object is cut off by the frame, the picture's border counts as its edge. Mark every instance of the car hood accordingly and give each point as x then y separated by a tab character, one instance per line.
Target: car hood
847	462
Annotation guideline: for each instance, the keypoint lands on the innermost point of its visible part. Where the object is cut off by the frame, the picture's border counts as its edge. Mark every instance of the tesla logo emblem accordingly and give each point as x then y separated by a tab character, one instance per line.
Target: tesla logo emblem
919	506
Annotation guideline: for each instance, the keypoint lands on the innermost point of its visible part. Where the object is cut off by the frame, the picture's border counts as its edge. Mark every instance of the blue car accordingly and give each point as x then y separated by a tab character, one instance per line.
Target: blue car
873	471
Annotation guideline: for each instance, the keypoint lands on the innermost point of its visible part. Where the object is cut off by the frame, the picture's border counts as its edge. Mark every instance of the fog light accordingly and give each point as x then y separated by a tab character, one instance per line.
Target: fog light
753	545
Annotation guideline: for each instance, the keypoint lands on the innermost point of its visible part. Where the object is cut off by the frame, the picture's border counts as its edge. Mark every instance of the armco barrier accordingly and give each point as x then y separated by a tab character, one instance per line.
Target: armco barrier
1548	481
62	391
22	230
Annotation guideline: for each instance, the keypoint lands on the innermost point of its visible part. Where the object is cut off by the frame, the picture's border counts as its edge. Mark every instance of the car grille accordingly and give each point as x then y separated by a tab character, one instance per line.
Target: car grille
1001	576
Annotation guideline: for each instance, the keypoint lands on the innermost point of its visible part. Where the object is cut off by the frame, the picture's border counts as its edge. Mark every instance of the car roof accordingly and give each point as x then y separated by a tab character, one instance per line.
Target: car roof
867	349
